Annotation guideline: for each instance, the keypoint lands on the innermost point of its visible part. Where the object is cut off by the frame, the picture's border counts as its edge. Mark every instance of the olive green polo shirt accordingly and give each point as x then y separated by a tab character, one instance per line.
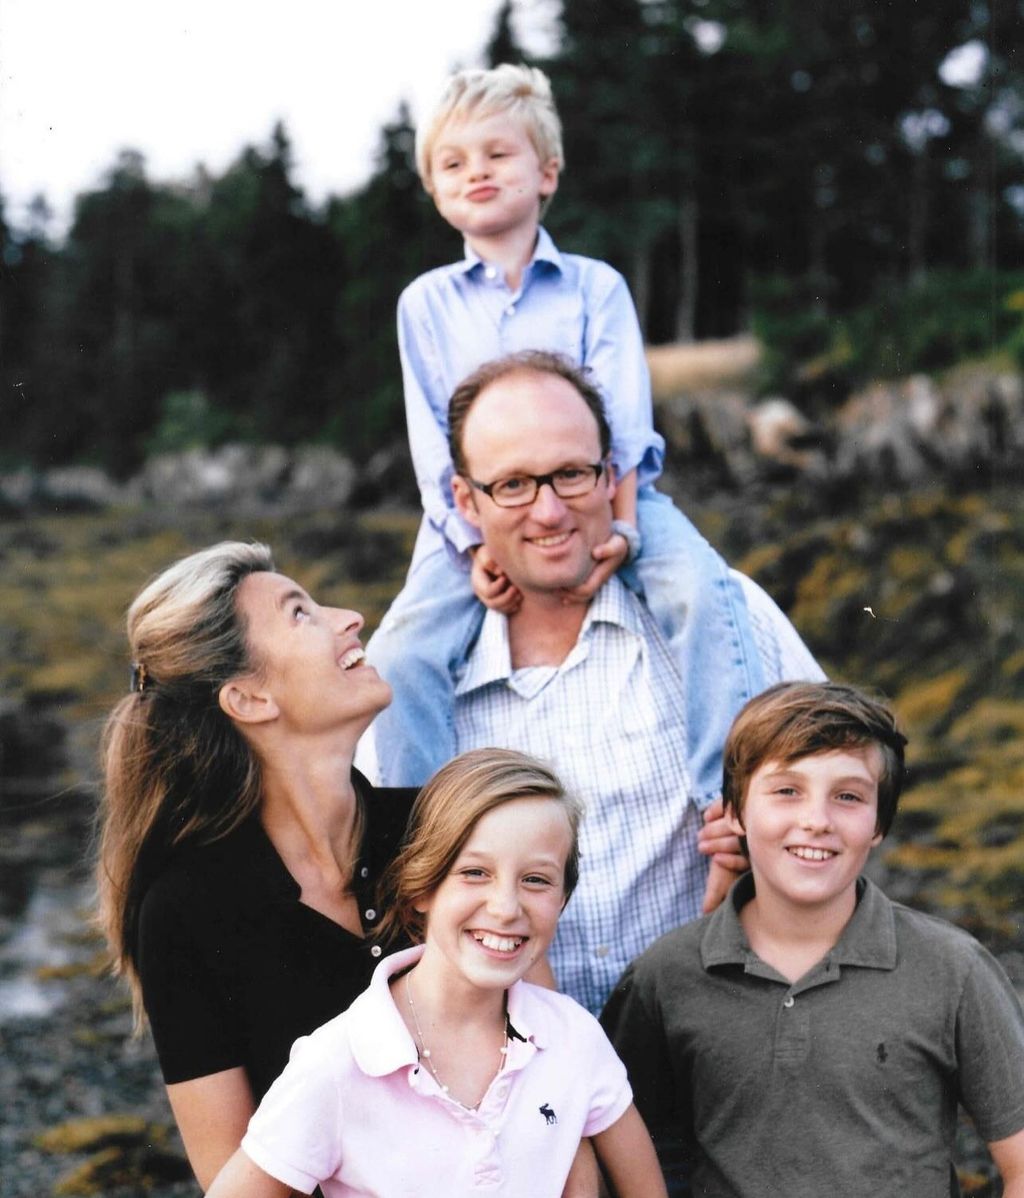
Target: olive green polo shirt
843	1083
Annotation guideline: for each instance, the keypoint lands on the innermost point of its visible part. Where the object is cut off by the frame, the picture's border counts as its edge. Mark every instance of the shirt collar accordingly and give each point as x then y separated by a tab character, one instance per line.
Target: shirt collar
868	940
545	251
490	659
248	858
379	1039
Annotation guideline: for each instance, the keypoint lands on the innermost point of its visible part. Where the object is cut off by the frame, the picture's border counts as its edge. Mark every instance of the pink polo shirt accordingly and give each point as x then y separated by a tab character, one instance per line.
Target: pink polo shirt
356	1114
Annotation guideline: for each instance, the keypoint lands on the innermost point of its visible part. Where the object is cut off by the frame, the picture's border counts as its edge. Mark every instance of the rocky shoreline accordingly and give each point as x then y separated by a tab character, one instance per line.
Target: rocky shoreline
942	572
967	425
84	1109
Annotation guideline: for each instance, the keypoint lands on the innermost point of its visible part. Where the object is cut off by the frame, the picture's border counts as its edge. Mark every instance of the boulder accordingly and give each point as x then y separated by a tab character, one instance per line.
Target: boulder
200	476
320	476
781	434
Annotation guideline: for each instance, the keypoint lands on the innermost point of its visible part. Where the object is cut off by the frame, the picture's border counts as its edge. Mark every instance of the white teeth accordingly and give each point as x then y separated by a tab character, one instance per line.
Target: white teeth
500	944
351	658
809	854
546	542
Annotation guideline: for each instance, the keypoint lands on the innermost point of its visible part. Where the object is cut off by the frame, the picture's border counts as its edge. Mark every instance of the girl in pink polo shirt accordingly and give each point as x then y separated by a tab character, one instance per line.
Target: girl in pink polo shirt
451	1074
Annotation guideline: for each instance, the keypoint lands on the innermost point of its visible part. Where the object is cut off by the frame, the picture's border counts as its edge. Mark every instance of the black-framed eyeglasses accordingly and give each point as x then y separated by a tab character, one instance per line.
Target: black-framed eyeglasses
518	490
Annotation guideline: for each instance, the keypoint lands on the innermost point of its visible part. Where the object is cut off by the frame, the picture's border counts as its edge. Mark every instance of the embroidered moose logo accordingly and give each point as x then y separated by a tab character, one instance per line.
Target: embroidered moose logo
549	1115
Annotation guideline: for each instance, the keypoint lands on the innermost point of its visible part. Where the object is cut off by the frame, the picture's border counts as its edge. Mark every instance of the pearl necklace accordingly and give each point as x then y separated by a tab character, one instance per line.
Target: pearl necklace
423	1052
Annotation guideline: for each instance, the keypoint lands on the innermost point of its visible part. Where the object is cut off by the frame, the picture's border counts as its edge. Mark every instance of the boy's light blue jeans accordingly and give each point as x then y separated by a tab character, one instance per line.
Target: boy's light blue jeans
431	626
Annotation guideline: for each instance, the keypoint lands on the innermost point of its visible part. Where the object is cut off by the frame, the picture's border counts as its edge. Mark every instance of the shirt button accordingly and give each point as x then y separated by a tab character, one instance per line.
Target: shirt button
788	1001
376	950
364	872
510	310
601	950
490	273
371	913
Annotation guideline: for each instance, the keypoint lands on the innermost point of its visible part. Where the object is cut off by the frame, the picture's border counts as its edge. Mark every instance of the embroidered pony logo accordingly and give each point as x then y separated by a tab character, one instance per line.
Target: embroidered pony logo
549	1115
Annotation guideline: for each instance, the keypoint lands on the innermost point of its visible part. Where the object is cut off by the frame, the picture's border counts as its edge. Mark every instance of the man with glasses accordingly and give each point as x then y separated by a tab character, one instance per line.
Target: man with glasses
590	688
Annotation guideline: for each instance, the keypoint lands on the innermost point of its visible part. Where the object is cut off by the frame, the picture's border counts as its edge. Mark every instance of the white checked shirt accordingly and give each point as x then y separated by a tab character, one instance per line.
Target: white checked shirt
614	731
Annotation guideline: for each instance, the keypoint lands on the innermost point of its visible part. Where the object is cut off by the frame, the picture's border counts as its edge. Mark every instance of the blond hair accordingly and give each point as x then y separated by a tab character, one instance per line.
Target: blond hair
176	768
522	92
443	817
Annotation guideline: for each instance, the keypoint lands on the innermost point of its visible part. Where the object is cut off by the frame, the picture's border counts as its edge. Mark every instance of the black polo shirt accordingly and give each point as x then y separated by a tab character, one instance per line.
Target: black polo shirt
234	968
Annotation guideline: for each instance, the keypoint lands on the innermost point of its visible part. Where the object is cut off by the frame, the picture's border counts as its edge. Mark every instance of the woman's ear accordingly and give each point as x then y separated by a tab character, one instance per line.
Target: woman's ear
245	702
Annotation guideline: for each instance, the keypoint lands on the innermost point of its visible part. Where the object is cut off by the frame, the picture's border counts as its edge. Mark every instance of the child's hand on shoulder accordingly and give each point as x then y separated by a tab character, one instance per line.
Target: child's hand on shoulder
719	840
491	586
608	556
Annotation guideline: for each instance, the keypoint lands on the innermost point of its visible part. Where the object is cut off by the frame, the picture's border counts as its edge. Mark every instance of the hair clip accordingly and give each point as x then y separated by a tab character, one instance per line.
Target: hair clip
139	677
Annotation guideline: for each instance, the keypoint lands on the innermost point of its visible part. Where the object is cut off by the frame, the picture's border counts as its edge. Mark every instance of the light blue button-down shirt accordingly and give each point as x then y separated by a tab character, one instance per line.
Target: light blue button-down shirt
453	319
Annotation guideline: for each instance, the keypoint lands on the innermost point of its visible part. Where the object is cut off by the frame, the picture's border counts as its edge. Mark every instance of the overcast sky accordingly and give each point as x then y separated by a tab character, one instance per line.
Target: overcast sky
190	81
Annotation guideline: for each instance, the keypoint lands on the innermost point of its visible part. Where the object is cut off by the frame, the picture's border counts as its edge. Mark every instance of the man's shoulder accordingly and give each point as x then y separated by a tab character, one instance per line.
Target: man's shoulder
784	656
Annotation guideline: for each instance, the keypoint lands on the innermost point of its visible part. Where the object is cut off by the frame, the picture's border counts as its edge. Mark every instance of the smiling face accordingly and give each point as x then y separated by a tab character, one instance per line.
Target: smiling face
310	669
486	177
810	825
496	911
532	423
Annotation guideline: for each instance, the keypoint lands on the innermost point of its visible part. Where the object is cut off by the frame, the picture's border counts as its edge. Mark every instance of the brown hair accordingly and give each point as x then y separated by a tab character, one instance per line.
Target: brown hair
176	768
529	361
798	719
443	818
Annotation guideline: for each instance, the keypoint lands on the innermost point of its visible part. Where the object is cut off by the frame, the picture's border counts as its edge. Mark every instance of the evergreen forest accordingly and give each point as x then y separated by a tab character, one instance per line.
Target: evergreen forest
843	180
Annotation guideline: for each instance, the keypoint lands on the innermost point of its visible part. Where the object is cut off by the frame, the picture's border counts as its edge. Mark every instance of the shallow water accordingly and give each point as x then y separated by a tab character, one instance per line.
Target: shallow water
48	934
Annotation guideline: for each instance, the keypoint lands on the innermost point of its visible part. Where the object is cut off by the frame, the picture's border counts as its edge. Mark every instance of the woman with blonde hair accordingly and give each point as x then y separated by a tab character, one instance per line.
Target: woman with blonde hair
239	850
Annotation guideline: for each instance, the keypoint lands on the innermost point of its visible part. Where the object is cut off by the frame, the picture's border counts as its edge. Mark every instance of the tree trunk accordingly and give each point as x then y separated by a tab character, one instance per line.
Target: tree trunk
686	306
640	284
917	234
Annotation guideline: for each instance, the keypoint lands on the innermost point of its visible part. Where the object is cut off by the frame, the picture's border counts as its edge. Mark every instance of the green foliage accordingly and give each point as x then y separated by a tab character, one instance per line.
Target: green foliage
932	325
389	233
187	421
710	146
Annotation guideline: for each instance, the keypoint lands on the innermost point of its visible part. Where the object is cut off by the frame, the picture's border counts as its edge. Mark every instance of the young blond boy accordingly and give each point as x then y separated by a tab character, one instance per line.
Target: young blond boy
812	1037
491	156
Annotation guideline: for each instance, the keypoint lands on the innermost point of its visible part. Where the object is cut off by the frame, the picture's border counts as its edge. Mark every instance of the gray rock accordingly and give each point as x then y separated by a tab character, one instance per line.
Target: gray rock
322	476
207	477
79	487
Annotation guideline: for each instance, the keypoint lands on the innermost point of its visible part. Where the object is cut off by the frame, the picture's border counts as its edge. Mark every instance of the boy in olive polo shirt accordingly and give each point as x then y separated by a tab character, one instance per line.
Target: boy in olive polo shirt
810	1037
